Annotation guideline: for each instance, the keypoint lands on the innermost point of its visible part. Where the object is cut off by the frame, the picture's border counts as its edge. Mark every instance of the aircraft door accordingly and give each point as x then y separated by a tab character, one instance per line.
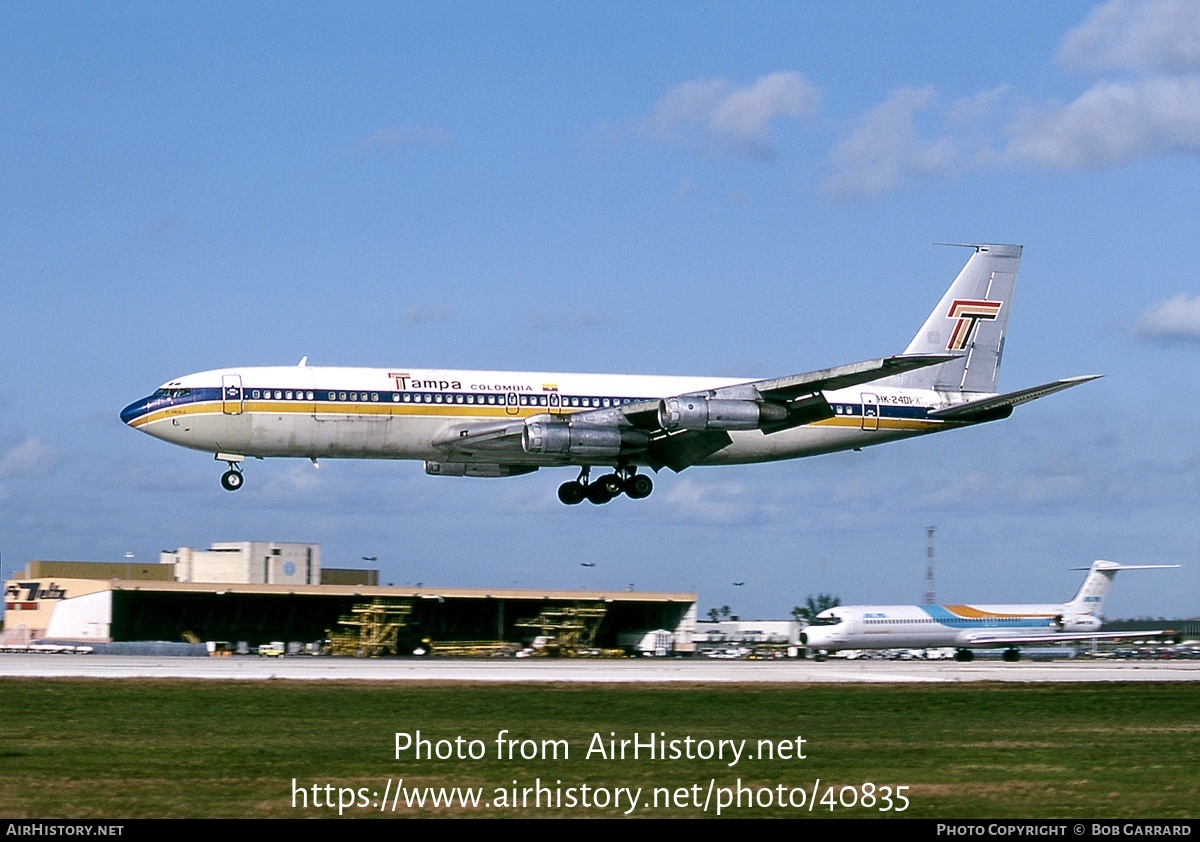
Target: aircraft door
555	403
870	411
511	404
232	398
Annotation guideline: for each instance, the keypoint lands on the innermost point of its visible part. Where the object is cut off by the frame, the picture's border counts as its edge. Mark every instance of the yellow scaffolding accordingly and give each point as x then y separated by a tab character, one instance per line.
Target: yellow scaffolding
371	628
570	629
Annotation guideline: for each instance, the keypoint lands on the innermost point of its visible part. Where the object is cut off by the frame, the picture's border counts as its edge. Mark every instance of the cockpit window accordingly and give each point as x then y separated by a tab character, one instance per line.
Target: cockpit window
829	620
171	393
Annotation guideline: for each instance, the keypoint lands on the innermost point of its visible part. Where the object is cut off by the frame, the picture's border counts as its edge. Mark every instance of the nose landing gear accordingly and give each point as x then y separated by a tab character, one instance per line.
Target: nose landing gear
232	479
624	481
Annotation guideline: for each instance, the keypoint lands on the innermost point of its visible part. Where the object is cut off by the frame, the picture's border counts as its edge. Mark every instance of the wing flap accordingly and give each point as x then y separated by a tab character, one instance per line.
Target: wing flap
683	450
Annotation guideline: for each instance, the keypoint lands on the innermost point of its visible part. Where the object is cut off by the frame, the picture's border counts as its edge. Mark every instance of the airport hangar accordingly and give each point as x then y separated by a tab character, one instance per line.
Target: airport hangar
259	592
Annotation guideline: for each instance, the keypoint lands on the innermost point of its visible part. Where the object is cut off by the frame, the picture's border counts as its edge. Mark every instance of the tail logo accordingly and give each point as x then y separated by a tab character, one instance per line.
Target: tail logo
969	314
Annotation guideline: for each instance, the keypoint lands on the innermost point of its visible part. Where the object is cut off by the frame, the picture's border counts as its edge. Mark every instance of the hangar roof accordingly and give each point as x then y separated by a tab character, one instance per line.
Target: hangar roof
415	593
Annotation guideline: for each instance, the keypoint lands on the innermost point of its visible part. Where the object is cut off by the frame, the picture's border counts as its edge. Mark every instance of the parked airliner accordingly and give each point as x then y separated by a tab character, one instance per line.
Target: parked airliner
496	424
971	626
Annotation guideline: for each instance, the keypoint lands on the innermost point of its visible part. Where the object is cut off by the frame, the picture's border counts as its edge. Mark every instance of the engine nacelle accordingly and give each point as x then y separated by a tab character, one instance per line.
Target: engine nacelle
557	438
1077	623
696	413
476	469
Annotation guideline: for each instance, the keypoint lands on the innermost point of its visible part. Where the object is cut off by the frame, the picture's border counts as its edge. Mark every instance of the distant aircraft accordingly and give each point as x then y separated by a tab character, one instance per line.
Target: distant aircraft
972	626
587	564
738	584
498	424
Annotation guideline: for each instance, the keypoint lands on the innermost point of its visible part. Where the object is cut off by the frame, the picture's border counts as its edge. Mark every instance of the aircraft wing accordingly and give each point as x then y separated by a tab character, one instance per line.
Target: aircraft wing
985	639
839	377
799	394
985	409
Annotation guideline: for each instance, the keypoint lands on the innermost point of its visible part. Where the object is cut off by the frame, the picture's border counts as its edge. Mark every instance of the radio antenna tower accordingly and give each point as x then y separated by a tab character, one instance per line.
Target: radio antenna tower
930	599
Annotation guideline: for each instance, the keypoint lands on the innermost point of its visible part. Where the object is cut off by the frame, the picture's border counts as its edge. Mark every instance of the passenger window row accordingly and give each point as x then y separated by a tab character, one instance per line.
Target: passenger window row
490	399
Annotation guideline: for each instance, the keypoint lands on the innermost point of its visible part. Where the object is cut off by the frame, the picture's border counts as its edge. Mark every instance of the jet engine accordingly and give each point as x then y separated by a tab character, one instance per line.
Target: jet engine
1077	623
560	438
697	413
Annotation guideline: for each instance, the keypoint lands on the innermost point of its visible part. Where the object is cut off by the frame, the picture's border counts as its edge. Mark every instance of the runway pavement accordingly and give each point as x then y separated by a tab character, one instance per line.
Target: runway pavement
659	670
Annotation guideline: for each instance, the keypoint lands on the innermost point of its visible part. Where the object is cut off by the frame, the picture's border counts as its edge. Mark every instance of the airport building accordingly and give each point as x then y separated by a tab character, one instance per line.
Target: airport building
247	562
240	596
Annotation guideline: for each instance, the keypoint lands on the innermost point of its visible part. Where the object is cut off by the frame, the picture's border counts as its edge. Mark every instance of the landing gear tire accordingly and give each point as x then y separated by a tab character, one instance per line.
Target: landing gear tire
571	493
598	493
638	486
1012	655
612	484
232	480
964	655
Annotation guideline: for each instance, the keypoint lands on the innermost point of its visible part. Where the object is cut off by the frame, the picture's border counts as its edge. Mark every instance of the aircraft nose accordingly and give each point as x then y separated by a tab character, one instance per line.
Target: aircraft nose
135	409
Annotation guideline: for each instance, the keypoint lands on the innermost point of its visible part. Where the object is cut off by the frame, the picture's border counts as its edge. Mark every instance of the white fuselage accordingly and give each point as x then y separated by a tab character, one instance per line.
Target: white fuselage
319	412
932	626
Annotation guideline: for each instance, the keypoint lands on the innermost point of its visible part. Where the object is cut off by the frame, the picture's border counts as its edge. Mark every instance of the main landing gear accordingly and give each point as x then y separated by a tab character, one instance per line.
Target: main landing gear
624	481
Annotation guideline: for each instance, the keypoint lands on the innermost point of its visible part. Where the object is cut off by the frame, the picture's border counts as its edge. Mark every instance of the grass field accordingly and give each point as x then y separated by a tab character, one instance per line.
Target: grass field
125	749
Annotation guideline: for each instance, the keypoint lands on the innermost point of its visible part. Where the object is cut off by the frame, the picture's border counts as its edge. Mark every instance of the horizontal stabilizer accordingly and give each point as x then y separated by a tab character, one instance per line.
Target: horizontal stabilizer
985	409
1114	566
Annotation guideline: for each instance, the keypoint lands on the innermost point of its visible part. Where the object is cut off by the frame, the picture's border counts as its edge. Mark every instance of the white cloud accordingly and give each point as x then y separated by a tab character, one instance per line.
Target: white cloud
1175	318
1149	36
299	480
392	137
885	147
1110	124
715	117
1154	111
31	457
717	502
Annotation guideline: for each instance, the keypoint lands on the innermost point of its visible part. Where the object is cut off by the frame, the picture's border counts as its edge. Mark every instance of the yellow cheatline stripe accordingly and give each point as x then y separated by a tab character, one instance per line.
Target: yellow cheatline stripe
884	423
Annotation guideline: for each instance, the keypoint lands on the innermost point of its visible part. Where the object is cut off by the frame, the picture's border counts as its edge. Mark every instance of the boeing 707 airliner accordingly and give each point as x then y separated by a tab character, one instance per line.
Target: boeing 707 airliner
498	424
970	626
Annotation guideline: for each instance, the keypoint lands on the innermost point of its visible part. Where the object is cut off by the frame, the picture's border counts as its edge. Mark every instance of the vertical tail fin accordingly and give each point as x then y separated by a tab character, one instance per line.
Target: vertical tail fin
1099	581
970	320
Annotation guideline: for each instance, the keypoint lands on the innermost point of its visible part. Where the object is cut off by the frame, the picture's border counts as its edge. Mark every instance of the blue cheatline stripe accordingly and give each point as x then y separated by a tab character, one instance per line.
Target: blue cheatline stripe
941	614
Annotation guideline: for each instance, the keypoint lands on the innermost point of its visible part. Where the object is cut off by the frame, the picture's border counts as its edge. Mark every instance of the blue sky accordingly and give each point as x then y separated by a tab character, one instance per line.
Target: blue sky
678	188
